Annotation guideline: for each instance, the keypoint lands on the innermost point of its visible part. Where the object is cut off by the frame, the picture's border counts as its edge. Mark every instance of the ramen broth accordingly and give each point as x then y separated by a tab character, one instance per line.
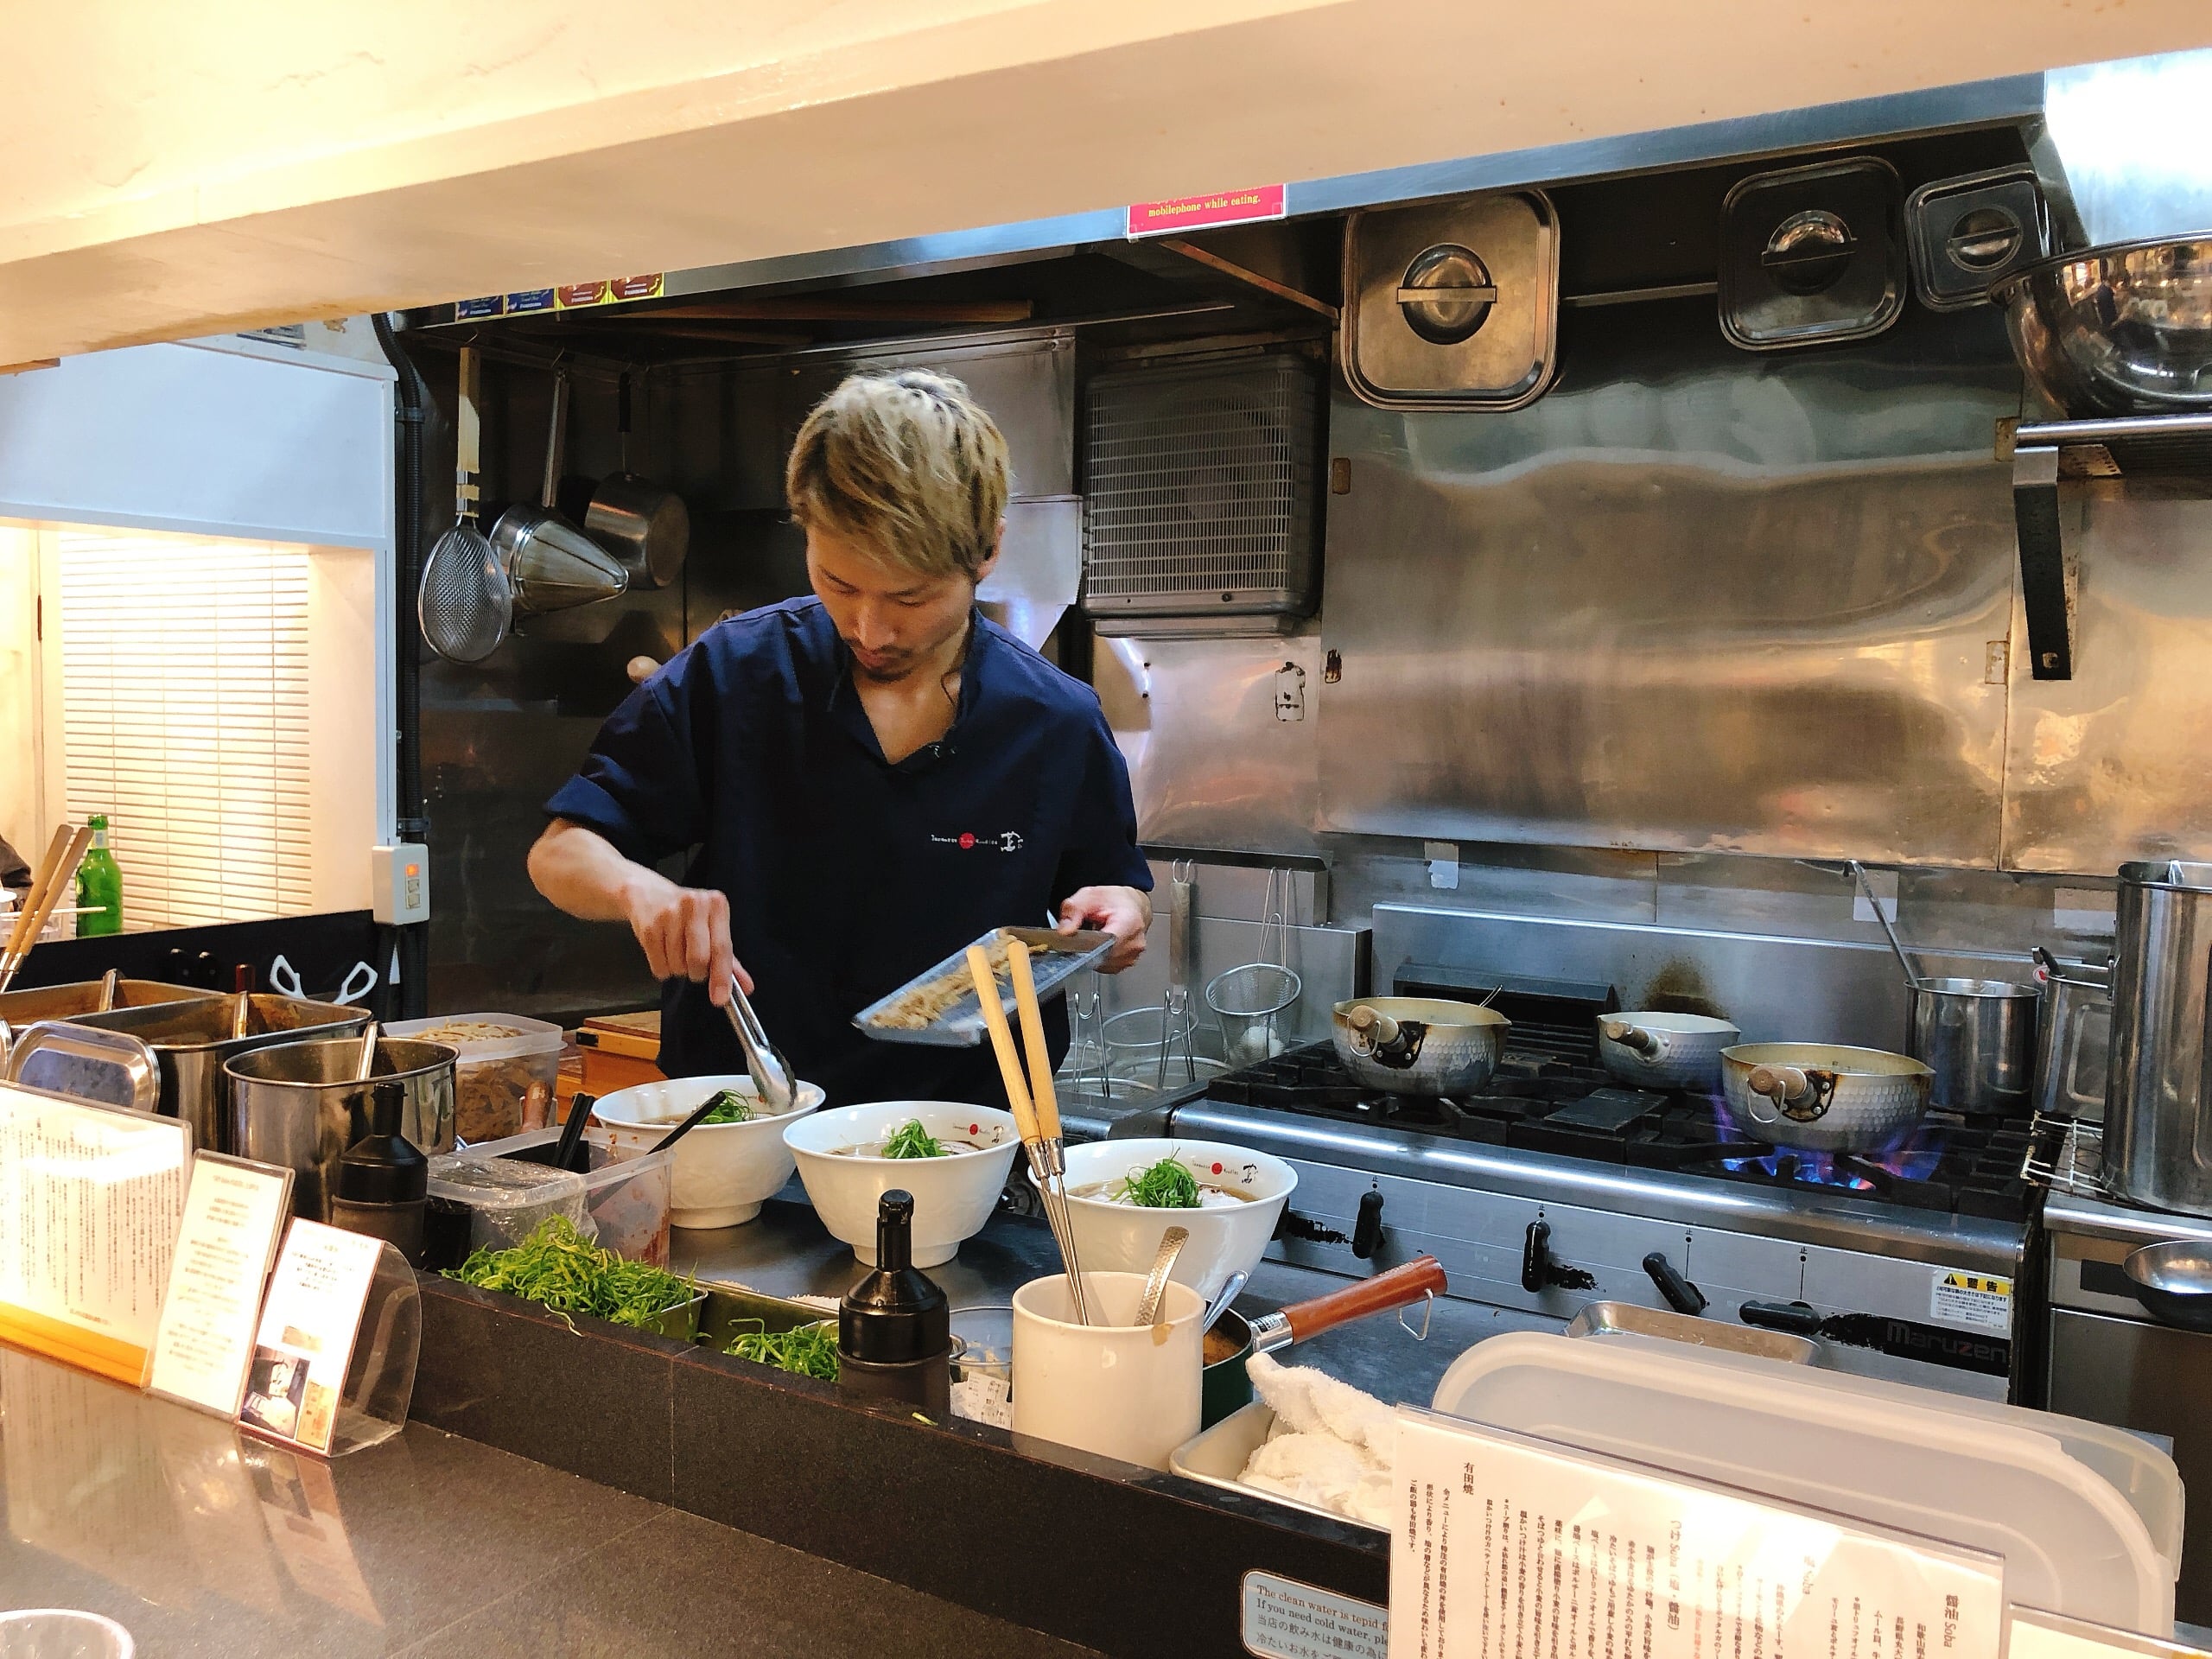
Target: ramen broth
953	1147
1210	1196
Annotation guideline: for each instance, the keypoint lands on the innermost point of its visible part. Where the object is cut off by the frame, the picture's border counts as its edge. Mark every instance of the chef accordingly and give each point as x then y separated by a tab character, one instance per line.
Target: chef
862	781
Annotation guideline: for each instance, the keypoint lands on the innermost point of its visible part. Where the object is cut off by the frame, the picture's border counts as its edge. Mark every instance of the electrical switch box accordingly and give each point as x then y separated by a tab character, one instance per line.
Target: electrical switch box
399	881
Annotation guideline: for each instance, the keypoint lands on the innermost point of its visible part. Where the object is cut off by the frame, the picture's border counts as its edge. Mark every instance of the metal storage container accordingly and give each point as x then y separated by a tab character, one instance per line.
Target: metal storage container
299	1105
2157	1121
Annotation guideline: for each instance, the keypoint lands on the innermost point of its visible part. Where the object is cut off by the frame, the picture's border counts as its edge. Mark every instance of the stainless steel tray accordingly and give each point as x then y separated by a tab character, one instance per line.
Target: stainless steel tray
1627	1319
1054	957
1218	1455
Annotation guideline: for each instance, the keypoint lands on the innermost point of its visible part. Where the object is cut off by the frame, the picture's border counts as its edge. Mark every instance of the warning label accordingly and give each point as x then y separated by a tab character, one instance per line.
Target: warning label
1980	1301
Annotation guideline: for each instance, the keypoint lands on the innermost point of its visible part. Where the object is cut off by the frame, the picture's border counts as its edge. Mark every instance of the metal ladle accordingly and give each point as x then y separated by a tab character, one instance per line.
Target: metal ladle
1156	1285
1912	977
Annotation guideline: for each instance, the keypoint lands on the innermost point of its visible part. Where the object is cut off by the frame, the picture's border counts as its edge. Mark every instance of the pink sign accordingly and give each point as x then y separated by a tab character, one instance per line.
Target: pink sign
1196	213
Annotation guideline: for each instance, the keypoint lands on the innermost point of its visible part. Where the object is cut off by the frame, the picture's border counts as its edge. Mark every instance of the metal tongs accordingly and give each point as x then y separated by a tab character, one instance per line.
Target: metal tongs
764	1061
1036	1107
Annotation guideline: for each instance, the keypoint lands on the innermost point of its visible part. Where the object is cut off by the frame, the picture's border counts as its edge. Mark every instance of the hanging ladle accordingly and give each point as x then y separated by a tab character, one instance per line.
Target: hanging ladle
1912	978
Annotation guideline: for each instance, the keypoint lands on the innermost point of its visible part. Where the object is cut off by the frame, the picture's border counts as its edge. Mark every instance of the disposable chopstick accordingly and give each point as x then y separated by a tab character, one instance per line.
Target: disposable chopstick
1017	1091
1043	1096
20	936
46	892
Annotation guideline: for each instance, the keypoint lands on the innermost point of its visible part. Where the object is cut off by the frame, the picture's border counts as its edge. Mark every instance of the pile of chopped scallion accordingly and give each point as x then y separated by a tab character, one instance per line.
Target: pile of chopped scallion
810	1350
1168	1185
558	1268
911	1140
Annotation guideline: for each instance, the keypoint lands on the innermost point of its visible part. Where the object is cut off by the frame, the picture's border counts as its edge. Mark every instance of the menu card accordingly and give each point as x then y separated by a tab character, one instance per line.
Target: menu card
234	1212
2034	1635
306	1338
1509	1547
90	1201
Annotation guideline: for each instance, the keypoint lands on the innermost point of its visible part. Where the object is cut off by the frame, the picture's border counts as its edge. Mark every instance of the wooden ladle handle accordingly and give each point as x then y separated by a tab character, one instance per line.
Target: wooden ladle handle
1420	1277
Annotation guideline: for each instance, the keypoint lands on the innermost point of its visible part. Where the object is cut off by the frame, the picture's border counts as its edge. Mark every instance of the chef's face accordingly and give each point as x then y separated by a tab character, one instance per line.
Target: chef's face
893	622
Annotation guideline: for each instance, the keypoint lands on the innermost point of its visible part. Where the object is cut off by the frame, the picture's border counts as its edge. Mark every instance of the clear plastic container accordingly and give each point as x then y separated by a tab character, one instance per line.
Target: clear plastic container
627	1198
493	1076
2088	1518
506	1200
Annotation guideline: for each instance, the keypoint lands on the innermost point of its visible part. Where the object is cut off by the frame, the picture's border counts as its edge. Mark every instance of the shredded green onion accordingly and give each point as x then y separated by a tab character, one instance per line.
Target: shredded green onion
730	1107
808	1350
911	1140
1166	1185
559	1268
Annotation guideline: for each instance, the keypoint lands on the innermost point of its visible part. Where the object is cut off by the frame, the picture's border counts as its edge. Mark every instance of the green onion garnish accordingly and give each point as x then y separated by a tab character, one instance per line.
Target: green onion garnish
1167	1186
912	1141
558	1268
808	1350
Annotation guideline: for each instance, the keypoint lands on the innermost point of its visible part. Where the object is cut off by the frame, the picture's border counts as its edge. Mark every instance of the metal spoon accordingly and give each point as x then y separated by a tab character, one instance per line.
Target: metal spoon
1220	1304
1156	1285
368	1061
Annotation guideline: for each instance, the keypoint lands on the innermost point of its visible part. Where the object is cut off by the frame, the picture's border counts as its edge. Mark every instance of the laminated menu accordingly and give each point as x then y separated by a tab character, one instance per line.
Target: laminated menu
309	1325
90	1198
1505	1546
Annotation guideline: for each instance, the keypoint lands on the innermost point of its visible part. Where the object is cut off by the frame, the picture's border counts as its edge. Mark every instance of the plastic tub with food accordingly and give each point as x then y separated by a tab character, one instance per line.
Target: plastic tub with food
953	1158
726	1166
1123	1195
503	1056
626	1198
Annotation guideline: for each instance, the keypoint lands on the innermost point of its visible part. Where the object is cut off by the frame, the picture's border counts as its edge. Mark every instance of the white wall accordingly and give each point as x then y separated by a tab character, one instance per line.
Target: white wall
21	817
343	757
174	170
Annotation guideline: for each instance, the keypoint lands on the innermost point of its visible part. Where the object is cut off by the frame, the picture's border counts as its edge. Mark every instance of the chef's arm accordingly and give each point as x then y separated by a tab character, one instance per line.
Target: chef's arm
1125	913
684	931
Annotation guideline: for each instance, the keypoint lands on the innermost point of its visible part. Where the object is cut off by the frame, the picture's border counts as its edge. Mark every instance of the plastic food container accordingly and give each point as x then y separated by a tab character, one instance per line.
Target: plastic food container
505	1200
493	1076
2088	1518
627	1198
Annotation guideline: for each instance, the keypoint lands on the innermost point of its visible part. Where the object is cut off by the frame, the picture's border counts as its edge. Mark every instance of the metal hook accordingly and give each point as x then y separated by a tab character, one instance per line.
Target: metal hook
1428	1313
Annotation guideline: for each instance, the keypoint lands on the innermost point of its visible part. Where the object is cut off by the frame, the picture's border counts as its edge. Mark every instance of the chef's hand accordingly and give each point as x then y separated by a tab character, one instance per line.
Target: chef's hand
1125	913
685	933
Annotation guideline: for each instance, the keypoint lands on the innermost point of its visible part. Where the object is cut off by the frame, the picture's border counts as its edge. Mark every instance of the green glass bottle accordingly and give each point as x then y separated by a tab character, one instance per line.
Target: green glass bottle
99	886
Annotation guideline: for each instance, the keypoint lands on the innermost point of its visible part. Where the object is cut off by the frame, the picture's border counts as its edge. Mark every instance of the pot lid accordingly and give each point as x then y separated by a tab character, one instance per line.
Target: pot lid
1812	256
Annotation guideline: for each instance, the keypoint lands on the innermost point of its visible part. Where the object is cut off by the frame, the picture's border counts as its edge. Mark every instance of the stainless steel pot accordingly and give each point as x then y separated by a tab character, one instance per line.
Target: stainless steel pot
2120	330
1418	1044
1824	1097
2074	1053
193	1040
2157	1115
1665	1051
21	1008
298	1106
644	526
1977	1036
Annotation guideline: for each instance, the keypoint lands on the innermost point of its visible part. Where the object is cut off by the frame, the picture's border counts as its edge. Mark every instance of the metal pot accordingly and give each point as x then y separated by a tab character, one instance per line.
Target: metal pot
1225	1386
299	1106
1418	1044
193	1040
2120	330
647	528
1824	1097
1665	1051
1979	1038
2158	1117
2074	1056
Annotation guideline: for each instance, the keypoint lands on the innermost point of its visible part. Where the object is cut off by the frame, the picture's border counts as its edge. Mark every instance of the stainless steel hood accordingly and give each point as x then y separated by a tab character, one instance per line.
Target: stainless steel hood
2121	151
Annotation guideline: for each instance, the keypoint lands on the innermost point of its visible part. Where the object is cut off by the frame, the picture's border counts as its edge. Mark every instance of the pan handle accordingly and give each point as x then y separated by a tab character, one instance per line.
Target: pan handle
1400	1287
1779	1084
1371	1029
1650	1044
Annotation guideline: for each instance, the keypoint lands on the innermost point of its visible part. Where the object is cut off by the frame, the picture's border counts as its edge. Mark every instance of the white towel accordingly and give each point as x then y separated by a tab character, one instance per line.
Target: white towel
1331	1447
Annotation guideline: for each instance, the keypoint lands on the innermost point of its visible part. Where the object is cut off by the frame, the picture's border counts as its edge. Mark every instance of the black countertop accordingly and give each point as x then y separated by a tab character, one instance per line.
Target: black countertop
202	1540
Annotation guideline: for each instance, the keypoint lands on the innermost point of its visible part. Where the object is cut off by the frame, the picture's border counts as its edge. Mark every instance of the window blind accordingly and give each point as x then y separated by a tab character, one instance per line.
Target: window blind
184	670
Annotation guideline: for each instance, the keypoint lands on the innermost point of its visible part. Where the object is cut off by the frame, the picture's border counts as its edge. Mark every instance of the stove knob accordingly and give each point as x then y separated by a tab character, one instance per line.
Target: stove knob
1536	1257
1681	1295
1800	1317
1367	1231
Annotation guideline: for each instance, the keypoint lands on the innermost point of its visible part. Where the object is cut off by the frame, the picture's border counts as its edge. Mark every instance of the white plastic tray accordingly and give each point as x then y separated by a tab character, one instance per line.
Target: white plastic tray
2088	1518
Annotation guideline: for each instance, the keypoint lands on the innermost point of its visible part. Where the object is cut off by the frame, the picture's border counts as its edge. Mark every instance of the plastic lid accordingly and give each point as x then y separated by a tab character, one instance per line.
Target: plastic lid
896	1312
384	1166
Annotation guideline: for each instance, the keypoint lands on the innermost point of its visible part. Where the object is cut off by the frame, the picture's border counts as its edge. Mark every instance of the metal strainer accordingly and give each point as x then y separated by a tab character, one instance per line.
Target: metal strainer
467	602
1248	998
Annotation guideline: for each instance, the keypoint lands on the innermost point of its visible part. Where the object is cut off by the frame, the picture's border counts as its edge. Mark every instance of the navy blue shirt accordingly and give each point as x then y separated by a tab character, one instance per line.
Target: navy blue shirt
846	875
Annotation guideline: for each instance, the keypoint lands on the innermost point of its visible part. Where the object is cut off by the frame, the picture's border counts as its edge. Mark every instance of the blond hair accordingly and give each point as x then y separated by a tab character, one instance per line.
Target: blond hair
907	463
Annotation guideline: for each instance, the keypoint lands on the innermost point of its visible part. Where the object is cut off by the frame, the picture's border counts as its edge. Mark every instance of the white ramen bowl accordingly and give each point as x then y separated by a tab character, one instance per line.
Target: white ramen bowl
1111	1237
723	1172
953	1195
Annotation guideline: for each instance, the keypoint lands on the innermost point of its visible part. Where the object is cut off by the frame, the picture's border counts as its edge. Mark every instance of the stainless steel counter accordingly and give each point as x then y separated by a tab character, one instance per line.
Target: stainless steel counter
202	1540
785	1252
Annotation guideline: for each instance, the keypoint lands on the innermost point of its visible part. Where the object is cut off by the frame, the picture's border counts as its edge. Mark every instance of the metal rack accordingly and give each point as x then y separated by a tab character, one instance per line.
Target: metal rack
2075	1161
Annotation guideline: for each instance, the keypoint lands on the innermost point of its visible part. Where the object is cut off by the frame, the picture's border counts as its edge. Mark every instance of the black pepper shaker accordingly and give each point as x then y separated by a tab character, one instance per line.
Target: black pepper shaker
384	1181
894	1328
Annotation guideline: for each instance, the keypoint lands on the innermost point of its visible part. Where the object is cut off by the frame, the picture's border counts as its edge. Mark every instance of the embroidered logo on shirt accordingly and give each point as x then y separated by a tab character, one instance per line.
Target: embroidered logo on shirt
1007	841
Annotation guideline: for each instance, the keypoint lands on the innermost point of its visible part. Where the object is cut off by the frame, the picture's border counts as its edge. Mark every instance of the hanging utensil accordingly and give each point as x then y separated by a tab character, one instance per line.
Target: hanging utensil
1889	929
647	528
1045	1163
1155	1283
63	854
1178	1026
764	1061
466	603
364	1063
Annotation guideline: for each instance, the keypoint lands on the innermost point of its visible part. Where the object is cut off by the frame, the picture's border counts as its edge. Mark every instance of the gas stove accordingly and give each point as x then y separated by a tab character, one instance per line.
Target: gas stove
1556	1187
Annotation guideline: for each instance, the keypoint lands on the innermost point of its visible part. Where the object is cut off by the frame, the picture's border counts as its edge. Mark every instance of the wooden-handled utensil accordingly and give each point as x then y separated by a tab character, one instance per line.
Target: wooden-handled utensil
1047	1155
63	854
